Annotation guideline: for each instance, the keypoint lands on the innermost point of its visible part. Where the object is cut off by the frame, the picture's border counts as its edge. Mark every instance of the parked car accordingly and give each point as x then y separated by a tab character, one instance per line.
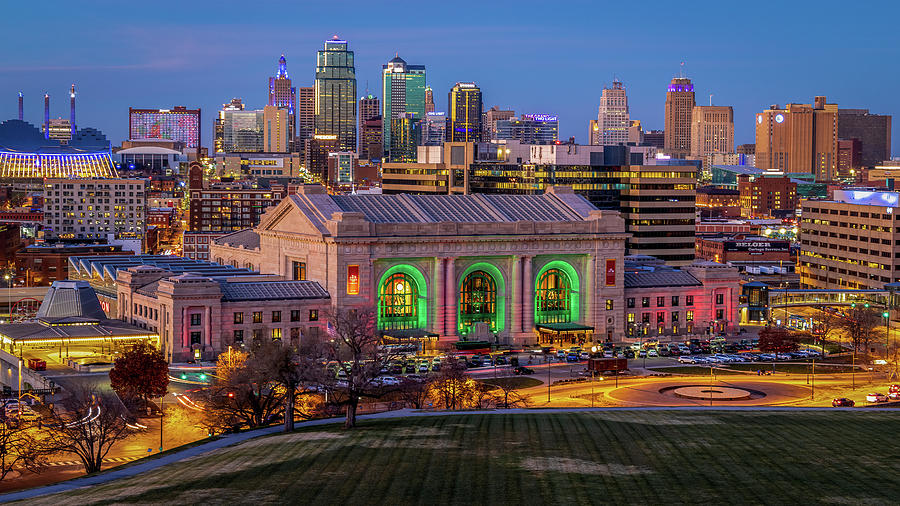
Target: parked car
894	392
842	402
571	357
876	397
687	359
561	354
523	370
423	367
584	355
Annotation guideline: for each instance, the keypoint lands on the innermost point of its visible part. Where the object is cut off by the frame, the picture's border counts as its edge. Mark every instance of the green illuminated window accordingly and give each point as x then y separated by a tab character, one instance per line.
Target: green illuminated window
478	301
398	302
553	297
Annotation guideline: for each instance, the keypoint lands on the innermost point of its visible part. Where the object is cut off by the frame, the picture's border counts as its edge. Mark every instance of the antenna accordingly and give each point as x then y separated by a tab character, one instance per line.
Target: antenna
710	99
681	69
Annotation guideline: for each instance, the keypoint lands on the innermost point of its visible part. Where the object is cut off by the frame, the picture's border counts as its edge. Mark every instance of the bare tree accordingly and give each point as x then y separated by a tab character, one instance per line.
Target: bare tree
508	396
415	394
19	448
354	345
862	326
89	427
452	388
827	326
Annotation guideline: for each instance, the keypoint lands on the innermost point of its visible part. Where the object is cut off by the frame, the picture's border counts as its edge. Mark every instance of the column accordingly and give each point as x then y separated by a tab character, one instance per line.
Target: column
185	339
450	298
527	296
592	299
439	295
207	325
515	295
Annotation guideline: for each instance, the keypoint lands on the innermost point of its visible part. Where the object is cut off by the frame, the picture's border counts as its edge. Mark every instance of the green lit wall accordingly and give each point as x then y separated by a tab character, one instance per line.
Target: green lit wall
574	290
500	283
421	287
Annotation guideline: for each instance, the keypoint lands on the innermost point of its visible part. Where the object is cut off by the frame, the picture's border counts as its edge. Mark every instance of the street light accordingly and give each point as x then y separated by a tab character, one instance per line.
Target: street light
7	277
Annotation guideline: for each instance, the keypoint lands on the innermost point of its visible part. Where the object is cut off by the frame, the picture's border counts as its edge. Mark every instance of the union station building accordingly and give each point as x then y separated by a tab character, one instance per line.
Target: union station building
511	269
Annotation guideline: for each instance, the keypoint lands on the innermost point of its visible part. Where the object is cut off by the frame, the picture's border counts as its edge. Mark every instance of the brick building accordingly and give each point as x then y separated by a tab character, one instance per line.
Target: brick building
42	265
766	196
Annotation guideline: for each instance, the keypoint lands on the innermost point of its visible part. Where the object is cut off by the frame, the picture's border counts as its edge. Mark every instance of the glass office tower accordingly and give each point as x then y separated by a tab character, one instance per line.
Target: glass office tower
336	95
464	124
403	92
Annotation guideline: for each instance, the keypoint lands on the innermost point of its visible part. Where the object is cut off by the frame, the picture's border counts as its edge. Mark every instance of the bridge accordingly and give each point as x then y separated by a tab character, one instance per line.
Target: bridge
819	297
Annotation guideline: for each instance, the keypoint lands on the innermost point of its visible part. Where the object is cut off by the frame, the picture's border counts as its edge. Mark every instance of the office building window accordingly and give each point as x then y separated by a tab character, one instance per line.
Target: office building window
609	304
630	317
238	317
276	316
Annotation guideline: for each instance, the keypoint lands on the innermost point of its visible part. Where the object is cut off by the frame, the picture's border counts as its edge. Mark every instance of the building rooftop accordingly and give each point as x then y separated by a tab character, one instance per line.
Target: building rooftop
248	238
272	290
660	278
89	266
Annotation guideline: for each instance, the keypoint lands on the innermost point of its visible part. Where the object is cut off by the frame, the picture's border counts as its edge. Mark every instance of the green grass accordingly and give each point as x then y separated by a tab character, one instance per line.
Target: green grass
692	369
515	382
793	368
613	457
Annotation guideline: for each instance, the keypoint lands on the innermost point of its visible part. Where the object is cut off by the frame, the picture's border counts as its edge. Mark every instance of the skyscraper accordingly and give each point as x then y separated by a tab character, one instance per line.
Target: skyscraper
370	128
306	113
403	92
434	129
798	139
712	130
429	100
465	107
275	129
872	130
336	94
679	108
405	131
283	96
219	126
490	119
612	116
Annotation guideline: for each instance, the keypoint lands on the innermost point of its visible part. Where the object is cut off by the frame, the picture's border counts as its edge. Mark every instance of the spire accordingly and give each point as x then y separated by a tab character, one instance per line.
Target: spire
21	107
282	68
72	108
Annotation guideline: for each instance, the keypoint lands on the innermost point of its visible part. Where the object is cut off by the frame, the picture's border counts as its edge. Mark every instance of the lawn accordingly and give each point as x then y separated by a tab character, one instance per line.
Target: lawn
622	457
515	382
794	368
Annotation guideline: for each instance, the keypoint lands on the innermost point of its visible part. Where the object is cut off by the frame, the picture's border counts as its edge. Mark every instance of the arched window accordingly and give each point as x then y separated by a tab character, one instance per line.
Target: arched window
478	301
552	297
398	302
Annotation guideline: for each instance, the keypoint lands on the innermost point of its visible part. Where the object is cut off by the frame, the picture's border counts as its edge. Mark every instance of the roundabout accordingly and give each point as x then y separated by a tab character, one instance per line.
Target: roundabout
731	392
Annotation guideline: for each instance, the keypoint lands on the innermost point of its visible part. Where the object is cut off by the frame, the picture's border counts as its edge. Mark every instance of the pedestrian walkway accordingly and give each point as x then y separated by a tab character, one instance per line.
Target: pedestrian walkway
233	439
115	460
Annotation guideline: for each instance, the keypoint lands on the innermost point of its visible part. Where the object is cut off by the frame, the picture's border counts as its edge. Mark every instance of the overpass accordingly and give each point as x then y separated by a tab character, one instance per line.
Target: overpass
21	217
819	297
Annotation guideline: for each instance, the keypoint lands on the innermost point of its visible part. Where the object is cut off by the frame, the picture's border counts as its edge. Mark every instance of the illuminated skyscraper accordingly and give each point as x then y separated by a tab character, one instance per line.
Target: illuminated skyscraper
712	130
306	113
275	129
429	100
283	96
405	132
679	108
434	129
369	111
801	138
612	116
465	107
403	93
336	94
219	126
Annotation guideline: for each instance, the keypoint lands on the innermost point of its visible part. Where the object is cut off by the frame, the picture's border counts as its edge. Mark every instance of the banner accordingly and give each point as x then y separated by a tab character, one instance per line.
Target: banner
610	272
352	280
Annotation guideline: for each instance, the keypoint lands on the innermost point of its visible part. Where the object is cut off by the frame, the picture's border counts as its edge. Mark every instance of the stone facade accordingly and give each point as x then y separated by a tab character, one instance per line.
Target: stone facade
353	245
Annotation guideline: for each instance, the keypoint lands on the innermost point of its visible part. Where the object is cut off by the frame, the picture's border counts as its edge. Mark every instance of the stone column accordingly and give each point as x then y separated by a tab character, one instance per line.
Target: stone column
438	295
527	296
185	339
592	299
450	298
514	294
207	325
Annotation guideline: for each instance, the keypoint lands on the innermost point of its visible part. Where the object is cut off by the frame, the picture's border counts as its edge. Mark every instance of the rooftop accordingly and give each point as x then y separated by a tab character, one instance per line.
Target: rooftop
272	290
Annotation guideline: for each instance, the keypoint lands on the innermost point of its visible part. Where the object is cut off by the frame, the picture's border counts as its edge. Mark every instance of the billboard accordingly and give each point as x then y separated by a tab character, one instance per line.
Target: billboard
758	247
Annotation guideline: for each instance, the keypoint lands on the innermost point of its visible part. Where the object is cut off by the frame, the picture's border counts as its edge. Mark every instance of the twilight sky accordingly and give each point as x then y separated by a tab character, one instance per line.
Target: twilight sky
531	56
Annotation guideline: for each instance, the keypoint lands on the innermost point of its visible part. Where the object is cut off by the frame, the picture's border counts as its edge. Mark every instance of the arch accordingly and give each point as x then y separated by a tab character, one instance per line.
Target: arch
559	300
499	311
418	300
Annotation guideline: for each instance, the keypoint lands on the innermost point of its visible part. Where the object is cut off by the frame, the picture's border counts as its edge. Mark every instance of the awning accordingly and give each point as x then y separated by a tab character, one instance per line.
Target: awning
409	334
563	328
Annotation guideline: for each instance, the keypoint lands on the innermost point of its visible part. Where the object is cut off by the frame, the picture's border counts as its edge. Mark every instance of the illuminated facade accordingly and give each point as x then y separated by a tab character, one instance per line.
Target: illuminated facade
336	94
529	129
612	116
95	208
179	124
801	138
850	241
504	268
434	128
242	131
465	110
66	165
712	130
403	91
284	97
679	108
405	133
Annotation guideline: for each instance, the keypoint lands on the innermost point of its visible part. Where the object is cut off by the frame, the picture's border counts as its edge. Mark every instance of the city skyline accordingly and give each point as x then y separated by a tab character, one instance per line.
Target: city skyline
207	64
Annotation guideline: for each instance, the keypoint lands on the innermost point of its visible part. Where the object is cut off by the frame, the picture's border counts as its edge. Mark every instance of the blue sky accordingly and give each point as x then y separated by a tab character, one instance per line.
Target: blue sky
542	57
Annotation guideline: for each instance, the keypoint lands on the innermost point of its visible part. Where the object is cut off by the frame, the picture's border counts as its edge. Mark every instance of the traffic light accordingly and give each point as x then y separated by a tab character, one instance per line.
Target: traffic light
885	314
230	394
853	304
202	377
867	304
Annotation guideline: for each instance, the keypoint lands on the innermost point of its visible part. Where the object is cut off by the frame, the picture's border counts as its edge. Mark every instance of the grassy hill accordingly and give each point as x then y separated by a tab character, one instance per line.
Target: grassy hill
624	457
